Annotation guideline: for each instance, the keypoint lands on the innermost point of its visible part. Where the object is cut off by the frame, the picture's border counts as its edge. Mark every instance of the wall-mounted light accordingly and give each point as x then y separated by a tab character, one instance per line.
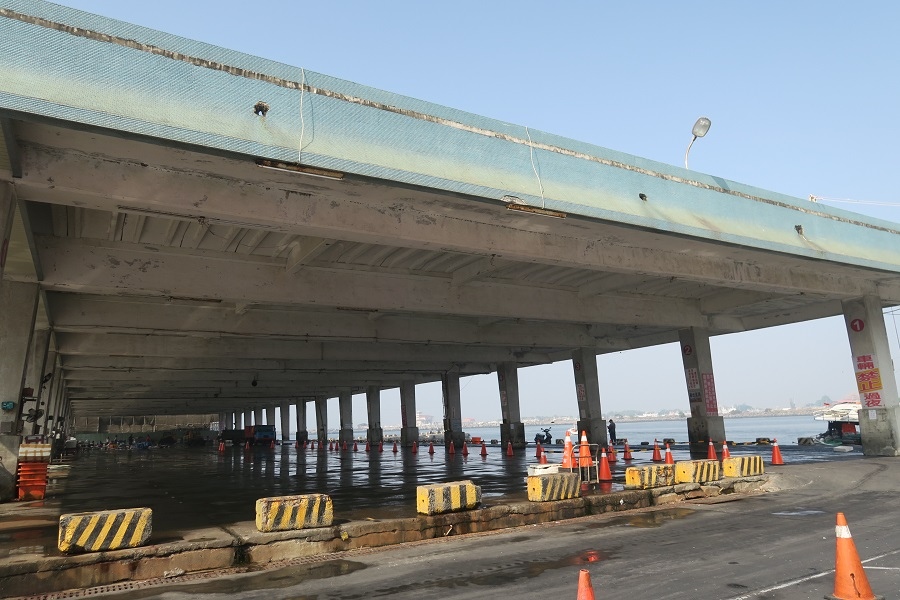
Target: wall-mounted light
700	128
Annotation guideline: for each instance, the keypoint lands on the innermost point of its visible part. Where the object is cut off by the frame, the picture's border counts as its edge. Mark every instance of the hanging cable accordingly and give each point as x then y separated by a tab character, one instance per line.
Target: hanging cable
534	167
302	121
814	198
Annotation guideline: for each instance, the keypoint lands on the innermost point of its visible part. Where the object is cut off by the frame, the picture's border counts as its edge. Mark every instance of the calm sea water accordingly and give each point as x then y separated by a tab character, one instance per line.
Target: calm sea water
785	429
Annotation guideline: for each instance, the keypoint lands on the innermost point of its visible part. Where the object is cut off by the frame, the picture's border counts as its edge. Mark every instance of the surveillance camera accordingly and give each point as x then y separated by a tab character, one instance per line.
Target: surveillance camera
254	383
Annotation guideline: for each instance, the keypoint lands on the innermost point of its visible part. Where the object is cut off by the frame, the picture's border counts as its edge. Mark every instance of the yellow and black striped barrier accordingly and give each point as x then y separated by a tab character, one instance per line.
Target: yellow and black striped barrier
696	471
285	513
441	498
553	486
105	530
643	478
743	466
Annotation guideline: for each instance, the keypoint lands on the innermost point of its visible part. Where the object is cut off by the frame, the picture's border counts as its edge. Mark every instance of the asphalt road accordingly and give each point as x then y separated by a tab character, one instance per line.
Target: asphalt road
779	545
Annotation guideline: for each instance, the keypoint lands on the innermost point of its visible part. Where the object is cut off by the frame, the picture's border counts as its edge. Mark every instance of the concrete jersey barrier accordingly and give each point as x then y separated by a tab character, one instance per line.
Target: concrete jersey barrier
285	513
441	498
105	530
553	486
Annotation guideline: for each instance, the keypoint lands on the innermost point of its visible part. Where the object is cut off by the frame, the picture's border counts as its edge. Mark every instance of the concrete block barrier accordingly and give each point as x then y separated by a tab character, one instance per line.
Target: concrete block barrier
697	471
105	530
743	466
441	498
553	486
285	513
643	478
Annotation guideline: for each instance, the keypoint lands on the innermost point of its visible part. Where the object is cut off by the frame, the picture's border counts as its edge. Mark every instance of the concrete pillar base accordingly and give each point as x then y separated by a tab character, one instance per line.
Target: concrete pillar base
457	437
703	429
345	435
513	432
596	431
302	436
878	434
9	451
375	435
408	435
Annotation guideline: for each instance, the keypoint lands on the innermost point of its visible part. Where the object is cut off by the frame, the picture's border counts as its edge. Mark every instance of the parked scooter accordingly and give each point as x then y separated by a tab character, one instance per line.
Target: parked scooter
545	439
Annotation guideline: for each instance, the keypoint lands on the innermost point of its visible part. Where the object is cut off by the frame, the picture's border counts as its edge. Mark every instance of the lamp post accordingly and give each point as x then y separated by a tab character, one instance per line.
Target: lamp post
699	130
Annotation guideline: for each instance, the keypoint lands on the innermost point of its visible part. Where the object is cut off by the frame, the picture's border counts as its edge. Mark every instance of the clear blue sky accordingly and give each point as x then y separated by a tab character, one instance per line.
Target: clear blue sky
803	97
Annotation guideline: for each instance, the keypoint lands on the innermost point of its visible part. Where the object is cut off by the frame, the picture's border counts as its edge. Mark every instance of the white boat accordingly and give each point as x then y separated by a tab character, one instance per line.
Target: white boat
843	422
842	412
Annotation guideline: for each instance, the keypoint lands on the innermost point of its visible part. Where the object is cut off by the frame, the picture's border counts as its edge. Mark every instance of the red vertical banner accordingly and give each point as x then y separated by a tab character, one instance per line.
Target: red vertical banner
709	393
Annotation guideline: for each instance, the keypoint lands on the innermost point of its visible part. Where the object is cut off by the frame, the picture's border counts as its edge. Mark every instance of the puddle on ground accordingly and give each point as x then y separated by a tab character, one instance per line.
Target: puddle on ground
654	518
799	513
284	577
497	576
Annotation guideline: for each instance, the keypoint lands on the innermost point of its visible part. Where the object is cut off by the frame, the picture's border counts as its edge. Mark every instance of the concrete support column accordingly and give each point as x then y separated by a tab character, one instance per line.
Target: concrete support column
47	422
34	379
248	418
345	407
19	302
7	213
257	416
409	432
285	413
587	391
512	429
223	420
373	403
704	424
270	415
238	420
34	371
452	410
321	419
879	418
302	433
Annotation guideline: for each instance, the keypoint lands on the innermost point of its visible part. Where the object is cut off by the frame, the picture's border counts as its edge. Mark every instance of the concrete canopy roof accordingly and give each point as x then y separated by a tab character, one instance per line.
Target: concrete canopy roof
177	271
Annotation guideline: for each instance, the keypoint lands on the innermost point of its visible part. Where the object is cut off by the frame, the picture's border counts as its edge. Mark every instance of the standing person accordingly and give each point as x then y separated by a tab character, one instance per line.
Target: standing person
612	431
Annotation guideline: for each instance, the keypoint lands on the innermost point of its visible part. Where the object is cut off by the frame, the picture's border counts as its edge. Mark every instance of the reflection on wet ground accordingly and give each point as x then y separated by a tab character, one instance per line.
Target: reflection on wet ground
195	488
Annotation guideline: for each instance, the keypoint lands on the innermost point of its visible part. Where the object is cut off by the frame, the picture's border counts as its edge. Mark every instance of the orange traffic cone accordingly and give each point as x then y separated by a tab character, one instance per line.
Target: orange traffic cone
431	448
669	459
415	447
368	446
656	455
452	448
543	459
272	445
465	450
725	452
395	448
312	445
850	581
355	447
626	454
711	452
247	446
483	449
344	447
509	449
381	446
776	453
538	451
611	454
297	444
603	472
585	589
568	459
221	447
584	452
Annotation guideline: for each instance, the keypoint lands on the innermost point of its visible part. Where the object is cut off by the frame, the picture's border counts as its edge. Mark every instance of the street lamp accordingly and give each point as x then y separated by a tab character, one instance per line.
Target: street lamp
699	130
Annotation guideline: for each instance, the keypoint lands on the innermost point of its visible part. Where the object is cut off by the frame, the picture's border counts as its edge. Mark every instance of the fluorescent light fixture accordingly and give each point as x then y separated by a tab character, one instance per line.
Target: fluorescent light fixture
536	210
277	165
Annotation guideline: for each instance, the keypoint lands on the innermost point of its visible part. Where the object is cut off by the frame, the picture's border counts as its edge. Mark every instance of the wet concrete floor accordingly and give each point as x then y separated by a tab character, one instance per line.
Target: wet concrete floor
190	489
